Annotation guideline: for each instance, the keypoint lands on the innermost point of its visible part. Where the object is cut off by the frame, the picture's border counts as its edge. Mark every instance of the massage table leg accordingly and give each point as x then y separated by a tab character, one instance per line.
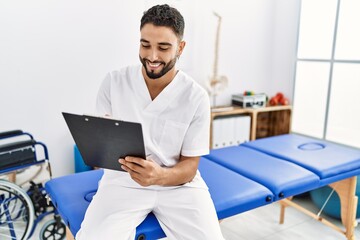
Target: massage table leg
282	213
283	205
348	200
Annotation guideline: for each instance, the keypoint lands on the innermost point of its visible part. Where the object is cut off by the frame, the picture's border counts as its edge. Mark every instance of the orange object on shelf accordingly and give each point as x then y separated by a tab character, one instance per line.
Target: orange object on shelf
279	99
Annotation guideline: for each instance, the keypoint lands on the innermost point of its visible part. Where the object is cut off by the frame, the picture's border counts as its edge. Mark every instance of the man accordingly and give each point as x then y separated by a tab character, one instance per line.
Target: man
174	112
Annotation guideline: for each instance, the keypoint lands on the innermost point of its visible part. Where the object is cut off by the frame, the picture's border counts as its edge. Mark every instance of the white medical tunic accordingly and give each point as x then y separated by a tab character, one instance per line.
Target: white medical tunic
176	122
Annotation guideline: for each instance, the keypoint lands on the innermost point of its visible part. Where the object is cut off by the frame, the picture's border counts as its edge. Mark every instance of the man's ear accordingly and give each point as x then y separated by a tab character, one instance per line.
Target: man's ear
181	48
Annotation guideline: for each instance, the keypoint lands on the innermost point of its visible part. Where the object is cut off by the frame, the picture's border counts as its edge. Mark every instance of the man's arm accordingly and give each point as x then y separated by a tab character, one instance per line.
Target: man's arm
147	172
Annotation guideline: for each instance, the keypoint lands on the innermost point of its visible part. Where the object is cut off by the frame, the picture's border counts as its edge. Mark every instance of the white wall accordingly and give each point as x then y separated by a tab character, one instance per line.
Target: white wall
286	22
54	54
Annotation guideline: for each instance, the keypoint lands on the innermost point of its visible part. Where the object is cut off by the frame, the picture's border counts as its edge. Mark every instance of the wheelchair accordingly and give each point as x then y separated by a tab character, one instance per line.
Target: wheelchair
22	209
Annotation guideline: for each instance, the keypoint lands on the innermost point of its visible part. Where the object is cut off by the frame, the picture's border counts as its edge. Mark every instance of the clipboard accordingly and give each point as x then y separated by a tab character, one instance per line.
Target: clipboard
102	141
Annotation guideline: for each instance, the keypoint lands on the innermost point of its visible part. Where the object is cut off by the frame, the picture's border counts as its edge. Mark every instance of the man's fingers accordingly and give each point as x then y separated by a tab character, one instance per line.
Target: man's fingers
124	167
138	161
133	173
133	166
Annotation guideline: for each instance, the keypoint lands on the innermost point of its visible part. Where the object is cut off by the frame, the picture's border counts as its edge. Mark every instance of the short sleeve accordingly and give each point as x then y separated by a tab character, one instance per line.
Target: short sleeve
197	137
103	102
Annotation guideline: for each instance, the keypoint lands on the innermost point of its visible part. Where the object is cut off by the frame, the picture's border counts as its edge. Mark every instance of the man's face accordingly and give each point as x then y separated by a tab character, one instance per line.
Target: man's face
159	49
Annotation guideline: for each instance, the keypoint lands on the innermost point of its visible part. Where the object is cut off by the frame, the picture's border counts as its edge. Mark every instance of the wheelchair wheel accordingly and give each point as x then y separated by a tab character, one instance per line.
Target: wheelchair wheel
16	212
53	230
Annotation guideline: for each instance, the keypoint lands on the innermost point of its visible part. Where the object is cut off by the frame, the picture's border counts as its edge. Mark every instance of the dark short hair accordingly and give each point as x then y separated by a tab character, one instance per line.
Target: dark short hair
164	15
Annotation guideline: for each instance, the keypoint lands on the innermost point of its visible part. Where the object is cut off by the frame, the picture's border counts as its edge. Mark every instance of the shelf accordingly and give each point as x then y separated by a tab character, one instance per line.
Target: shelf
265	122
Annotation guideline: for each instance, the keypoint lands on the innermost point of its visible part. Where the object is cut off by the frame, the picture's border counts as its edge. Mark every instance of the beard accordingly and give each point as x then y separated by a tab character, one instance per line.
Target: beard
167	67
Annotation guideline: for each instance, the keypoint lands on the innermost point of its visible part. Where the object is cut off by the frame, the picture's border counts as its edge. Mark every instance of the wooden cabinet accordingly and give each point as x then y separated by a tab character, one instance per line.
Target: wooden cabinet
265	122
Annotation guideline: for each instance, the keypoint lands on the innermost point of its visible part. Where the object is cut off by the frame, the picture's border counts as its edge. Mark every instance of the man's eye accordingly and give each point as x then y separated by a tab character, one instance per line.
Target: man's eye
163	49
145	46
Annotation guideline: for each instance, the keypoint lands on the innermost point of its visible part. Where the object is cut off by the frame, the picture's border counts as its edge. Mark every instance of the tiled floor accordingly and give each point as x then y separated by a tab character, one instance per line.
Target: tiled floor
262	224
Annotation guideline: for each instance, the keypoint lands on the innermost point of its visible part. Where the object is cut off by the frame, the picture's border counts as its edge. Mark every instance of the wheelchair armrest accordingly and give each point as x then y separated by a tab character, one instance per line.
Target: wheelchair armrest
14	133
17	145
11	133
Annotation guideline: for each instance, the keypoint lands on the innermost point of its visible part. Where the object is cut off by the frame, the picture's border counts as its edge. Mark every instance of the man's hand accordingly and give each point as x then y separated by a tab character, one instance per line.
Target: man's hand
144	172
147	172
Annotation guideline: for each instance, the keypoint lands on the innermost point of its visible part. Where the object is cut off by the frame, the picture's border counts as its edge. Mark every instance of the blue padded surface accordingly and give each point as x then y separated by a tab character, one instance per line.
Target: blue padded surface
326	159
231	192
68	194
283	178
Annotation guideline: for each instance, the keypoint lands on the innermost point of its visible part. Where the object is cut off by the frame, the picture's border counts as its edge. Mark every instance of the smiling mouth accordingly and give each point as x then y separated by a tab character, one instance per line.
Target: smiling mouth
153	66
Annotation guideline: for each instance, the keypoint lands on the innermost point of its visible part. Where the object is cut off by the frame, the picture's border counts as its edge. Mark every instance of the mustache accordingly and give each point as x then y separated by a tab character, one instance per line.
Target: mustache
153	62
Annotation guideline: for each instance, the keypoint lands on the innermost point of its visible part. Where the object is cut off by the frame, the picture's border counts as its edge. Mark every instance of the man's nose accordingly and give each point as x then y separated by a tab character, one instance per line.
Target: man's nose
153	55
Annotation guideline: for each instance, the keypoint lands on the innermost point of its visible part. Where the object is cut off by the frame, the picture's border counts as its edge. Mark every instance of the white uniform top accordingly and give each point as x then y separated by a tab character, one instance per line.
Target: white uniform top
176	122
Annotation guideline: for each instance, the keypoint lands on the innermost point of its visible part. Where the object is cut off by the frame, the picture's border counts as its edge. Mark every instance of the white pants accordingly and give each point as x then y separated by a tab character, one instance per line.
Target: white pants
183	213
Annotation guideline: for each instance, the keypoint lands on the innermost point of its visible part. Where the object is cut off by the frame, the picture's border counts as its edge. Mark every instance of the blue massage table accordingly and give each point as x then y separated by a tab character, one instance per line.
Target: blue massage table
242	178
